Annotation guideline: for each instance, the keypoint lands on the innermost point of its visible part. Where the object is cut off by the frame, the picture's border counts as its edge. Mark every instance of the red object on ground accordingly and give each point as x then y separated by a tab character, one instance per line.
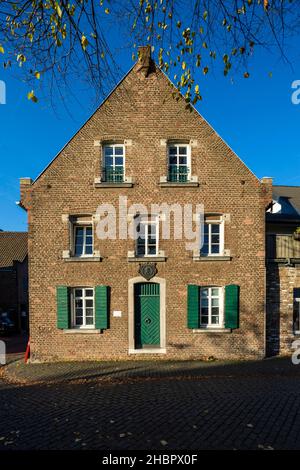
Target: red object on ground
27	352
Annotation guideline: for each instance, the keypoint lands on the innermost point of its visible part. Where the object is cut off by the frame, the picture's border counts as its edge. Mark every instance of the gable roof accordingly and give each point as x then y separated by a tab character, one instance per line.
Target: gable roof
289	199
13	247
131	70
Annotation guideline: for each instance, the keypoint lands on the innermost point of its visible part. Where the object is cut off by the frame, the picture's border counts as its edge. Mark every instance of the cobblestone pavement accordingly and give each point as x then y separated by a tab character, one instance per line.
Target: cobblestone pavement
217	406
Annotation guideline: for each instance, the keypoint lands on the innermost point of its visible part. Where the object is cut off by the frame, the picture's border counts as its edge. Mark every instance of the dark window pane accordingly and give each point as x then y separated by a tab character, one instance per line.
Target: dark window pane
215	228
108	161
182	160
215	249
215	238
173	161
78	292
182	150
172	150
79	320
89	230
89	240
78	303
204	320
108	151
89	250
89	293
119	161
79	232
215	320
118	150
151	250
89	321
204	249
78	249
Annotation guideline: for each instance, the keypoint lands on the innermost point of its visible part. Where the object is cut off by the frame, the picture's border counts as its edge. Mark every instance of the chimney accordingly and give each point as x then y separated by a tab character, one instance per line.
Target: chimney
144	60
267	188
25	184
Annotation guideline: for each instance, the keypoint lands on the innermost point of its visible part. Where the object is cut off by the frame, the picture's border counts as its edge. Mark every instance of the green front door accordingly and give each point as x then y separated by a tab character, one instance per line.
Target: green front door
147	315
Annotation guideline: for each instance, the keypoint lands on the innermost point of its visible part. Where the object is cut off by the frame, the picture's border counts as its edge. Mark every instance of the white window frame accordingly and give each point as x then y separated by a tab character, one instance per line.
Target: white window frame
73	308
210	325
113	146
188	157
145	220
83	225
211	222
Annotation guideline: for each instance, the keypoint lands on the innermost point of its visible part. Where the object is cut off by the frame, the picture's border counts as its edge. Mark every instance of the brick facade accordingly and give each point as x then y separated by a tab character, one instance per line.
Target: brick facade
281	308
143	113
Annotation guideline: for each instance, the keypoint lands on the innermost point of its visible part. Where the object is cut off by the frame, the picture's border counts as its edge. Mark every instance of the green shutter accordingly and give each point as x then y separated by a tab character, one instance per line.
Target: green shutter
101	307
232	306
63	311
193	306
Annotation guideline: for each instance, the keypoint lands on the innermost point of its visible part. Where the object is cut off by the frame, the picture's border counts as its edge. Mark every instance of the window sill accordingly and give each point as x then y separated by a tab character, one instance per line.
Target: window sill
176	184
212	330
82	331
212	258
114	185
154	259
83	259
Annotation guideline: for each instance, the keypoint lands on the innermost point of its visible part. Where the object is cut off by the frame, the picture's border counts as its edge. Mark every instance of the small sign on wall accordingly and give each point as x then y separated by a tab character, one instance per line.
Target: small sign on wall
117	313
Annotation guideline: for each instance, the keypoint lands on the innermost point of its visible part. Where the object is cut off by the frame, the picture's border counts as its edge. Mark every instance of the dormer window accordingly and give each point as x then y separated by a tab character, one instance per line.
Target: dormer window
179	163
113	169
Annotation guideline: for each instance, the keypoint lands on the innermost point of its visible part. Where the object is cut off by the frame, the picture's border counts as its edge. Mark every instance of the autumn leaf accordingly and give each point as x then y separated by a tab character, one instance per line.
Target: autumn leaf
84	42
37	75
31	96
1	49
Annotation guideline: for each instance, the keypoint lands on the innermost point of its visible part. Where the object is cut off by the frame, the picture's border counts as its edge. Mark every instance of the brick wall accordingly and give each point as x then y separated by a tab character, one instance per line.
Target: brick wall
142	109
281	282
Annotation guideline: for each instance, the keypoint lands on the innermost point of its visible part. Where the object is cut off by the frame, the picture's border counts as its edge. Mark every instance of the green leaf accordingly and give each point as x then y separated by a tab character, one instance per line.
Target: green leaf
37	75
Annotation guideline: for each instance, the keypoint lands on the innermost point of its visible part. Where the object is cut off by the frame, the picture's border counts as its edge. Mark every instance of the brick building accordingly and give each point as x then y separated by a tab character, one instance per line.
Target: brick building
14	275
93	298
283	270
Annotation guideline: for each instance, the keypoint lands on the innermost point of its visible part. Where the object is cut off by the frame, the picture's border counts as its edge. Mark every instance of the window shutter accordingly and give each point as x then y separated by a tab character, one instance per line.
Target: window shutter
101	307
232	306
63	310
193	306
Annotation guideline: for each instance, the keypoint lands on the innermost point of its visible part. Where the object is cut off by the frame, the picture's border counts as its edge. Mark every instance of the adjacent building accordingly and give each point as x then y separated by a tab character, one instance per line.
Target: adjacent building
154	296
14	276
283	270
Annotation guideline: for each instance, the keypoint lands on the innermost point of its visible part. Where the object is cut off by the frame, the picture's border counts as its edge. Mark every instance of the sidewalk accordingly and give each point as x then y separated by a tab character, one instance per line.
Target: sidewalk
57	372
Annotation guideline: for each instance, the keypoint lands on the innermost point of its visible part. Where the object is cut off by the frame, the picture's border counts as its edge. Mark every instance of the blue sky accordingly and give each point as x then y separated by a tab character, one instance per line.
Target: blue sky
254	116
